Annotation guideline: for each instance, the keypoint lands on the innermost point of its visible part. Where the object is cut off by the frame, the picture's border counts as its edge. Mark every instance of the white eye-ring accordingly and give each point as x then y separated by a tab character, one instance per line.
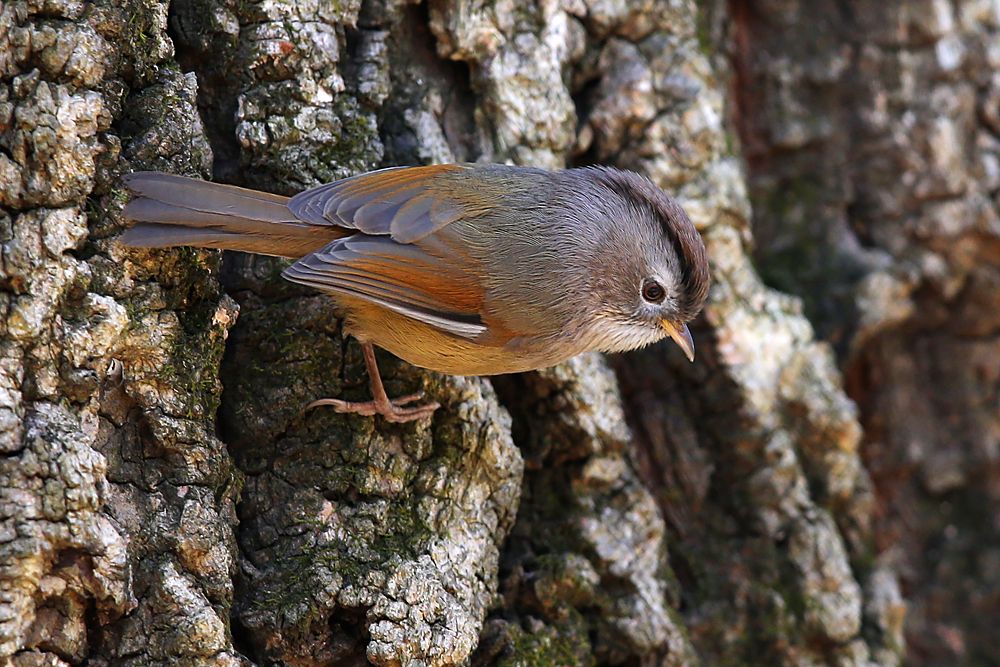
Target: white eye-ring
653	291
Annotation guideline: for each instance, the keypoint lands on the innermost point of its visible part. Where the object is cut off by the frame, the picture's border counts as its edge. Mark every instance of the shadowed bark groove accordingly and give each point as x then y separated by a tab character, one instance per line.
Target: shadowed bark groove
633	512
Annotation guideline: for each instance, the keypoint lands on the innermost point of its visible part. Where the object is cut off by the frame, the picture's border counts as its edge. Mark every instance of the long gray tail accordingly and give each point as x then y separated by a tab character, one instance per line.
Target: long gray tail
171	210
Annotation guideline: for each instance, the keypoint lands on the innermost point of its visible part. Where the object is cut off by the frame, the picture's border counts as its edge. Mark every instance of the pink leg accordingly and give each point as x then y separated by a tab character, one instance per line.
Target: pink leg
391	409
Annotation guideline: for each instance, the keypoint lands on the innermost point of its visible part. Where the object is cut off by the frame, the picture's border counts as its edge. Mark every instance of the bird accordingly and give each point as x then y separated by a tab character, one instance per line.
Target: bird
465	269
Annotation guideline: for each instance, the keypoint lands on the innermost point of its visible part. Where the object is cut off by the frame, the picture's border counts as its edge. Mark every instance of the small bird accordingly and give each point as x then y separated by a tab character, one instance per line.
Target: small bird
466	269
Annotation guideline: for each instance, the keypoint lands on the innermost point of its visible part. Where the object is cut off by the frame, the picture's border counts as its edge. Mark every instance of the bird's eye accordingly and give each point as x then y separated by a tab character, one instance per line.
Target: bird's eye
653	292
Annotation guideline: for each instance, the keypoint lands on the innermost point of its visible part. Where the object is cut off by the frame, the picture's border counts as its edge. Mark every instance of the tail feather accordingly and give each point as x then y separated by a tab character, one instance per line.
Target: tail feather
142	209
173	210
169	236
208	196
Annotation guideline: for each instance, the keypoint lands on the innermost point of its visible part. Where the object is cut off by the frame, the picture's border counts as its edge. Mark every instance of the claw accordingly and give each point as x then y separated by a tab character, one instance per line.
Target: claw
390	409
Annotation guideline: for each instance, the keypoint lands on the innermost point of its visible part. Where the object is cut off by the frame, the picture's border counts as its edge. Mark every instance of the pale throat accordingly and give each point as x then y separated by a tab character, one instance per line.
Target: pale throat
608	335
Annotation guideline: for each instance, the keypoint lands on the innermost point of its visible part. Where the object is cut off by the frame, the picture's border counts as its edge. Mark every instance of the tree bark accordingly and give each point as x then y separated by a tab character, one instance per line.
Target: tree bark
165	499
873	159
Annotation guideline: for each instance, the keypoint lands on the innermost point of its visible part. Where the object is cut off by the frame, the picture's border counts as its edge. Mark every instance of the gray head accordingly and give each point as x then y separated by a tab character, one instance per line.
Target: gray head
650	270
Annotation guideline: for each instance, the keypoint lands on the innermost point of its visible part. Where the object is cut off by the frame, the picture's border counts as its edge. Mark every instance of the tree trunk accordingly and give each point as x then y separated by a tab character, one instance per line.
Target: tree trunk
874	166
164	498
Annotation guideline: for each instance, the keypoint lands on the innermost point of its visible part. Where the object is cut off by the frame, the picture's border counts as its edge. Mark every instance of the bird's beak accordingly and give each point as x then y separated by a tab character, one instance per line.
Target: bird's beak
680	335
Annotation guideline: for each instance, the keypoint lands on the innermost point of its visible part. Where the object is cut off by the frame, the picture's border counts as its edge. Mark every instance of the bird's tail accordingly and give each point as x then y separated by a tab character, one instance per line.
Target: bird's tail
169	210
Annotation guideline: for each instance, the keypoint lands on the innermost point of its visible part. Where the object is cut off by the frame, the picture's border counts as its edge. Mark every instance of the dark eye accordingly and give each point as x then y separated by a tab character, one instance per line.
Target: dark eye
653	292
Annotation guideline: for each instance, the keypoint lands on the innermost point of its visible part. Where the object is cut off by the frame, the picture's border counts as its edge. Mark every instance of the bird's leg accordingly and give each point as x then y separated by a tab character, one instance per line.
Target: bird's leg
391	409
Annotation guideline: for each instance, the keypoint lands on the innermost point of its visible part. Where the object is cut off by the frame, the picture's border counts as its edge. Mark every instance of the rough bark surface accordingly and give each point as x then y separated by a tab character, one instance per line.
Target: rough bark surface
642	511
118	500
874	166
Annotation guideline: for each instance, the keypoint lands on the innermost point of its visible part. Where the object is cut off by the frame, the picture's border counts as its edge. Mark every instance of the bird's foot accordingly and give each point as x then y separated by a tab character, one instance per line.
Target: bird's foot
391	409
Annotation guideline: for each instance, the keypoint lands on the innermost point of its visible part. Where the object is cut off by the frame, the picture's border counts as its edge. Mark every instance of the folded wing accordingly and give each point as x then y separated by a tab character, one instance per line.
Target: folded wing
400	277
404	203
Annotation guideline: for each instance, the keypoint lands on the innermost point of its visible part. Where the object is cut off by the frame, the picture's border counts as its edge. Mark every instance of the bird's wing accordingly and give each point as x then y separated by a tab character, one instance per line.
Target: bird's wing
404	203
396	259
404	278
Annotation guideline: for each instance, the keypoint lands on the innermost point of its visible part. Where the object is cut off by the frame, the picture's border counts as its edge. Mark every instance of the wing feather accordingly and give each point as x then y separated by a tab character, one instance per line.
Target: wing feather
405	203
396	259
403	278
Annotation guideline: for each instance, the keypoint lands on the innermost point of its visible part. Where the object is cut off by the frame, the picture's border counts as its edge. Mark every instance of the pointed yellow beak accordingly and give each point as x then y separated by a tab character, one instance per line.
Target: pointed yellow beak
680	335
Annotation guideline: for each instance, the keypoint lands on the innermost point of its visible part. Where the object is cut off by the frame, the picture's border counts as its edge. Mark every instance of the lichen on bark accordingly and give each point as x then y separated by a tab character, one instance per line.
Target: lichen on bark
117	495
398	528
